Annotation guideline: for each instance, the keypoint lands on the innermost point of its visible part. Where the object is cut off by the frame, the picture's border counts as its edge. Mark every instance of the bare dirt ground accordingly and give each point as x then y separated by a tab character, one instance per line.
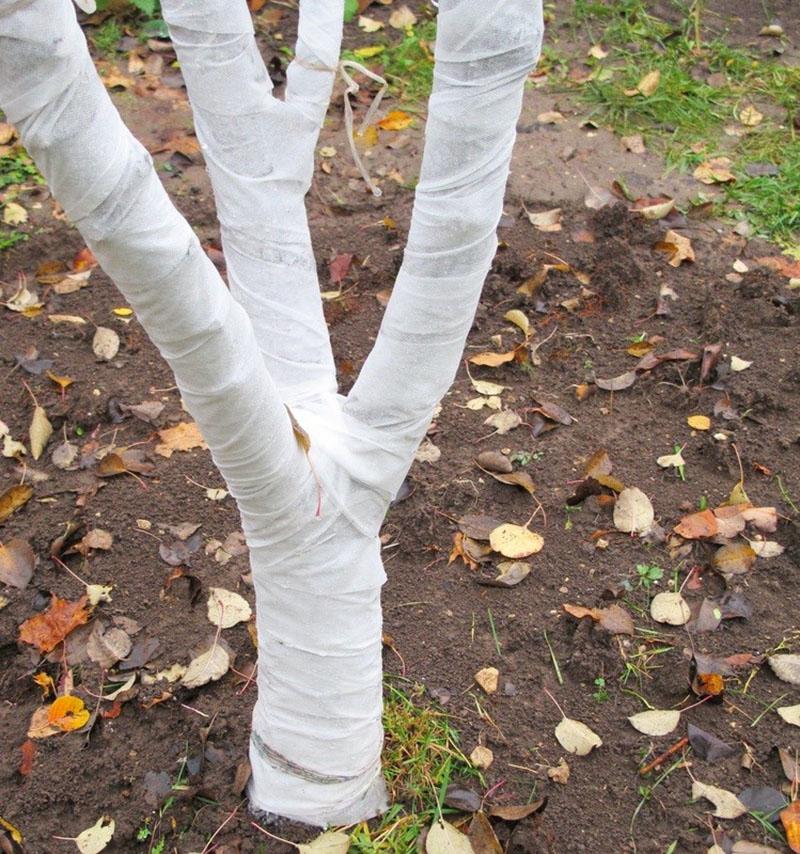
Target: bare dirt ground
612	287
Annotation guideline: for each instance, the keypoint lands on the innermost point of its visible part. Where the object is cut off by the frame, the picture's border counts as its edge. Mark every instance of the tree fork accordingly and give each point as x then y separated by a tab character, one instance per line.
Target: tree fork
317	571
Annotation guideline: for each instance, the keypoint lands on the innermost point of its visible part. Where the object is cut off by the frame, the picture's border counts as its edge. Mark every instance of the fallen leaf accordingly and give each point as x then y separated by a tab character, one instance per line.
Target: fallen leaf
734	559
707	746
648	85
459	798
226	608
546	220
517	812
515	541
726	804
17	561
676	460
550	117
699	422
40	431
330	842
481	835
738	364
68	713
678	247
488	678
481	757
487	388
182	437
614	619
40	727
717	170
559	773
28	749
618	383
395	120
786	667
209	666
576	737
670	608
766	548
763	799
790	819
515	478
402	18
46	630
108	647
697	525
503	422
511	574
750	116
791	714
633	511
105	343
519	319
655	722
443	838
95	838
654	209
369	25
493	360
14	214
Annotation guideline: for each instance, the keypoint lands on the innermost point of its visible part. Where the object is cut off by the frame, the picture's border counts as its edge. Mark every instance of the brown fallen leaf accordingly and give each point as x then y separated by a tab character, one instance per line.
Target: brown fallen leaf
493	360
17	561
677	247
13	498
697	525
717	170
46	630
618	383
614	619
481	835
790	819
517	812
734	559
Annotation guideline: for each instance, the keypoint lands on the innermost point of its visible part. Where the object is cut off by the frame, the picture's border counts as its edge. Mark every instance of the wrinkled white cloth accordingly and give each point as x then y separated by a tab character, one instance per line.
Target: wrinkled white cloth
312	524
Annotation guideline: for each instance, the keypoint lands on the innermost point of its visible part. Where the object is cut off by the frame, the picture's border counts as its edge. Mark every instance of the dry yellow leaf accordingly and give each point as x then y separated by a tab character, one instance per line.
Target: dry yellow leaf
182	437
699	422
515	541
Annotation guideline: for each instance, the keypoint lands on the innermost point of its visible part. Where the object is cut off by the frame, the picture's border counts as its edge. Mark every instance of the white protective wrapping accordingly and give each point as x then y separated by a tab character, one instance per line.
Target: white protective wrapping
317	735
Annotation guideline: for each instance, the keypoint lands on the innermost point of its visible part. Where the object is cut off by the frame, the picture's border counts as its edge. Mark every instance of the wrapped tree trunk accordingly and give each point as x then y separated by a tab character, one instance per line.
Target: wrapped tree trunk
240	357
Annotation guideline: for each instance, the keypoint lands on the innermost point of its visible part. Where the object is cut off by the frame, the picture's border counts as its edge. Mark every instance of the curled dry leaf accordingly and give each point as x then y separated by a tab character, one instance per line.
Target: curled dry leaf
717	170
40	432
614	619
670	608
575	737
515	478
697	525
503	422
427	452
707	746
546	220
519	319
511	574
226	608
105	343
655	722
668	460
106	648
516	812
677	247
515	541
633	511
481	757
790	819
619	383
494	461
482	836
95	838
726	804
559	773
786	667
17	561
488	678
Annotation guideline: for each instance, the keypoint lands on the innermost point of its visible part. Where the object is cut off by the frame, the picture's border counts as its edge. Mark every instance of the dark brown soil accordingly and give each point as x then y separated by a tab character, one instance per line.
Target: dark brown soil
437	613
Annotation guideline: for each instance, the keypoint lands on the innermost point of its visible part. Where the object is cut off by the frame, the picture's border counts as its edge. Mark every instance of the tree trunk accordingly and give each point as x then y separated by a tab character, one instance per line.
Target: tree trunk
311	519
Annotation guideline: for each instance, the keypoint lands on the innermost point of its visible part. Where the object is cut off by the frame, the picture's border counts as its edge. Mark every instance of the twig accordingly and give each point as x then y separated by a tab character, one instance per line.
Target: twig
213	835
659	760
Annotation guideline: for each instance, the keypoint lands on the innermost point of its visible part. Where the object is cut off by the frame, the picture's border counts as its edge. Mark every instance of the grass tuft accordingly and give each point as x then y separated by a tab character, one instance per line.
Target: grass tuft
421	758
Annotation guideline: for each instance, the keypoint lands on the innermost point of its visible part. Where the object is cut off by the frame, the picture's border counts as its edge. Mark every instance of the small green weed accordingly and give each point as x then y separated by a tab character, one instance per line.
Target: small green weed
106	37
601	694
648	574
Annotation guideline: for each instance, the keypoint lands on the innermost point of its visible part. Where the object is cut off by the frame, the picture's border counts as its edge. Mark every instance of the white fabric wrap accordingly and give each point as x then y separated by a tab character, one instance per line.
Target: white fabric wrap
317	734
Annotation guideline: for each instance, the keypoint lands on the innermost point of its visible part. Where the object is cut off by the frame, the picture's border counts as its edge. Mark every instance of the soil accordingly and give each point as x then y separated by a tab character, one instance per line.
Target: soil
437	613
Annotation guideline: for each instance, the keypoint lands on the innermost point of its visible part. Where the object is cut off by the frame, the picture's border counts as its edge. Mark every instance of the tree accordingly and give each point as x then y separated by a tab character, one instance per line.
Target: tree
312	472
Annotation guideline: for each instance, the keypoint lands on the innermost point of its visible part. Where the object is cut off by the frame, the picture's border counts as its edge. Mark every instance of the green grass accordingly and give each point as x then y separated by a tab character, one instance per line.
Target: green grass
106	37
407	63
687	119
421	758
15	168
